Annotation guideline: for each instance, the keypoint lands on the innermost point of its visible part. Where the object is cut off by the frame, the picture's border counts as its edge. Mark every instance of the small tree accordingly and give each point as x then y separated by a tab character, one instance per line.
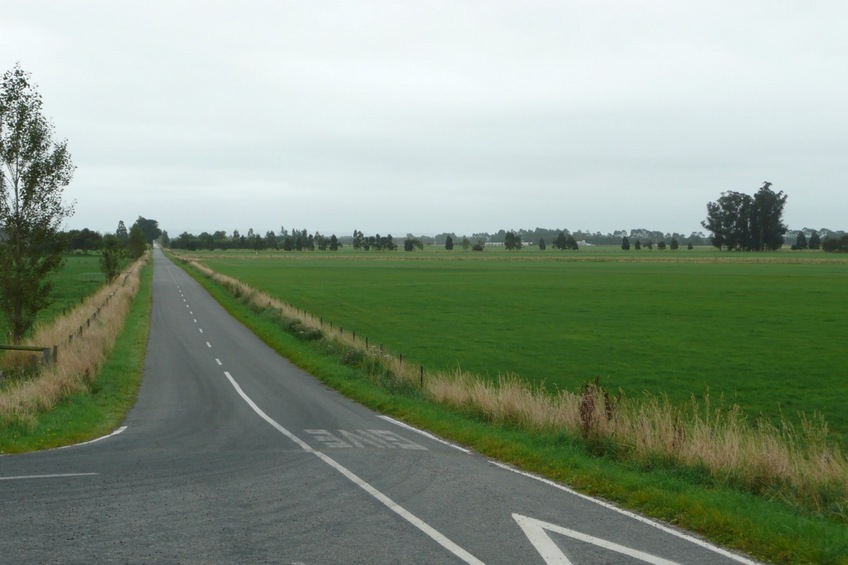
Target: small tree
638	245
110	257
33	174
815	240
449	243
542	244
801	241
625	243
465	243
690	247
122	234
661	245
137	245
674	244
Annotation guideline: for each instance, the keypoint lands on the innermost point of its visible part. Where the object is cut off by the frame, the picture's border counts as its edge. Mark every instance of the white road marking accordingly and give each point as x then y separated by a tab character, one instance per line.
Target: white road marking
200	329
382	498
637	517
116	432
423	433
54	476
218	361
209	345
535	530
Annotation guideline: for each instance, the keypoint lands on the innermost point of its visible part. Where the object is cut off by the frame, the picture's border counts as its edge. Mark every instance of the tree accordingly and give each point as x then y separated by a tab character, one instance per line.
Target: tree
122	234
34	170
449	243
149	228
466	243
741	222
625	243
542	245
561	242
638	245
661	246
110	257
674	244
834	244
137	244
815	240
800	241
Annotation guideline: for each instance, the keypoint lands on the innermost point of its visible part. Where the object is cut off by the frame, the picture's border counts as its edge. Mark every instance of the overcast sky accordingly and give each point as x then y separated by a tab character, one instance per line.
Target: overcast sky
430	117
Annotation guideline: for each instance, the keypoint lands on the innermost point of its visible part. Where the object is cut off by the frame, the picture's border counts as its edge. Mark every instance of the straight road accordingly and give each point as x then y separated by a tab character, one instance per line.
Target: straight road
234	455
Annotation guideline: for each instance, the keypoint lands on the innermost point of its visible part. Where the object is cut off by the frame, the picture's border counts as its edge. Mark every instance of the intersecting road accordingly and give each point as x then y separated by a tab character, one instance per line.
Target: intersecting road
234	455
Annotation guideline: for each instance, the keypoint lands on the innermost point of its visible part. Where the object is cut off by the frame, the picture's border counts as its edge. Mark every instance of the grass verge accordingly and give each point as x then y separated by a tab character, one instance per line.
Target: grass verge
98	408
775	530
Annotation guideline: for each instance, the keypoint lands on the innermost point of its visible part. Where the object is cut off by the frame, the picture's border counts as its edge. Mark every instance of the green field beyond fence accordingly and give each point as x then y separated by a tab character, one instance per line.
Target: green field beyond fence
79	277
765	331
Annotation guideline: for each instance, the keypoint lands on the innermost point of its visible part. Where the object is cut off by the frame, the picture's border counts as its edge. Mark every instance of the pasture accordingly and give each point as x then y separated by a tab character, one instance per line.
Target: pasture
762	331
79	277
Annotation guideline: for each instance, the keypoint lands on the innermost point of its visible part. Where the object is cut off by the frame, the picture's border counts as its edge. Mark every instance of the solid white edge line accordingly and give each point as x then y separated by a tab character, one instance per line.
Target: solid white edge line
382	498
406	426
644	520
53	476
116	432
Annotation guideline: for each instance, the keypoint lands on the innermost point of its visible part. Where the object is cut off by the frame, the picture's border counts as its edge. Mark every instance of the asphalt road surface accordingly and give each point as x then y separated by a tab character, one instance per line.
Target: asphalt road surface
234	455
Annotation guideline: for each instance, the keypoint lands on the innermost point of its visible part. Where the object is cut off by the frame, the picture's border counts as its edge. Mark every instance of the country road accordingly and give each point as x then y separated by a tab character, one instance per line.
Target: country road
234	455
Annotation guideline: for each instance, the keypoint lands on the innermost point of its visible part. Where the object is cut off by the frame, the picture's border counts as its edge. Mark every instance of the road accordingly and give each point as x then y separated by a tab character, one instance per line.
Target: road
234	455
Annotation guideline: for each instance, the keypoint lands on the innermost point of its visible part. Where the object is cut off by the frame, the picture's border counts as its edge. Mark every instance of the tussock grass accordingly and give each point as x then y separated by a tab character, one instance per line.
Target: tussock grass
84	336
795	464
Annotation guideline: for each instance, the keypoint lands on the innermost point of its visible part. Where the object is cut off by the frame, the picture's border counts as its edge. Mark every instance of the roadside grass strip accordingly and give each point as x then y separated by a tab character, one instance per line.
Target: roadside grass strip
78	397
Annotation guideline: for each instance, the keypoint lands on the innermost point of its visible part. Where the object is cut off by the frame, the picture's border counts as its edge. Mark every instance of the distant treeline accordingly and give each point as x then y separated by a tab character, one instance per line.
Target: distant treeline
86	240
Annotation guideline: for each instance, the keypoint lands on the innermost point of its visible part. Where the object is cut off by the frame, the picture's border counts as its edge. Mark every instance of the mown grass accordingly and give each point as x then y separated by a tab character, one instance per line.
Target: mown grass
758	330
95	384
770	529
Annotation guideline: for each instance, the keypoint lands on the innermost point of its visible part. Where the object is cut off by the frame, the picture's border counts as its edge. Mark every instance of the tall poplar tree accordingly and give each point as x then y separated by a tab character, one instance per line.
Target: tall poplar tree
34	170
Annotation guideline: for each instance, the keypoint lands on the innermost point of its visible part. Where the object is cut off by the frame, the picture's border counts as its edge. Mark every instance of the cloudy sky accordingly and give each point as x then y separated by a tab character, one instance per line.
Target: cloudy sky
426	117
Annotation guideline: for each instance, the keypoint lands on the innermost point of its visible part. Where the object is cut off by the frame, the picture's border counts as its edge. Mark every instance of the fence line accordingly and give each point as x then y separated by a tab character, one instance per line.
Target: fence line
51	354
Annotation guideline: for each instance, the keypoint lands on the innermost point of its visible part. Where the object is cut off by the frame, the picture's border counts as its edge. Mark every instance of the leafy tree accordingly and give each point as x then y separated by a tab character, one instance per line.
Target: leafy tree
466	244
741	222
122	235
625	243
334	243
834	244
638	245
149	228
690	247
512	241
84	240
34	170
561	241
137	243
661	246
164	240
270	239
571	243
674	244
449	243
542	244
801	241
815	240
110	256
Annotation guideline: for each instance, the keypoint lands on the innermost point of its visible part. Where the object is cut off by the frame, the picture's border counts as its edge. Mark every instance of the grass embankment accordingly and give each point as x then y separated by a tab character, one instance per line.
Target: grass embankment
632	452
88	392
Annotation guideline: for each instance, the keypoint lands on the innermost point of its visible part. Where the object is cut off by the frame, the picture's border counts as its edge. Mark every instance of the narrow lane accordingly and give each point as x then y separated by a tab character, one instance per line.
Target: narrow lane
232	454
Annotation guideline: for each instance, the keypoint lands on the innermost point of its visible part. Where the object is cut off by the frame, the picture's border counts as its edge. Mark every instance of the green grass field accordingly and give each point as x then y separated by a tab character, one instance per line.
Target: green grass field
760	330
79	277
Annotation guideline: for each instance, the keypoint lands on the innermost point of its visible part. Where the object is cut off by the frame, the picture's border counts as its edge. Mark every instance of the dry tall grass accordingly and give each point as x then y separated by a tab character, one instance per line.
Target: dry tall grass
84	338
798	465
